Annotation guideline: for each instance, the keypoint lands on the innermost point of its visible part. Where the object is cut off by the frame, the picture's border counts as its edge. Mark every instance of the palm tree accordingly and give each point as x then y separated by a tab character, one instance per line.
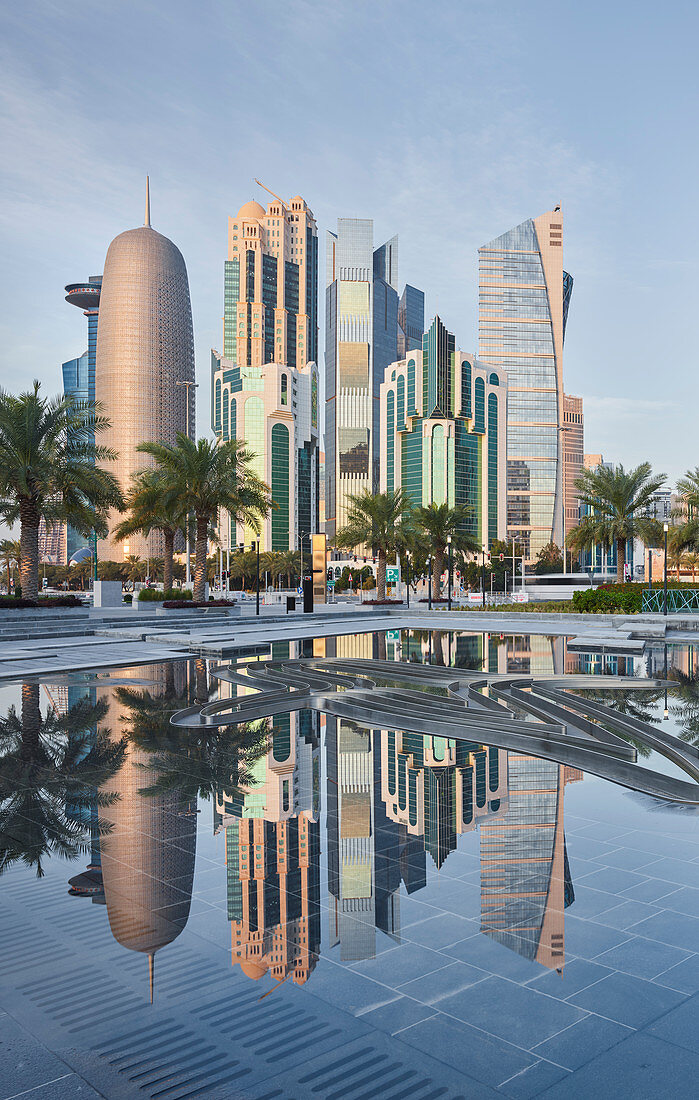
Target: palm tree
685	534
375	520
439	522
47	468
10	554
618	503
50	770
135	568
203	477
287	564
145	504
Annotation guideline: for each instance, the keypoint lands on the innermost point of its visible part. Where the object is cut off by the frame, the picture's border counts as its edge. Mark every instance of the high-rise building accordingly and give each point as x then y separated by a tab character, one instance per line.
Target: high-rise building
58	542
524	295
411	320
273	408
443	427
361	339
573	457
145	350
264	388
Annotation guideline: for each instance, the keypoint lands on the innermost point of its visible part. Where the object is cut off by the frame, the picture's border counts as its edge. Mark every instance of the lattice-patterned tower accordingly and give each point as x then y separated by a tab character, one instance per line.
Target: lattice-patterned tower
145	346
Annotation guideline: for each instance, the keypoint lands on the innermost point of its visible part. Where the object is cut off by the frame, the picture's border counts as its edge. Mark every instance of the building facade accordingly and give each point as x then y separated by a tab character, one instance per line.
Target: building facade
411	320
443	431
573	458
274	409
145	350
524	295
361	339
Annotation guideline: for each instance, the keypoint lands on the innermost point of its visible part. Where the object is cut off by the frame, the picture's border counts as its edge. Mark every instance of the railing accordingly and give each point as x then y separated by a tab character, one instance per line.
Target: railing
678	599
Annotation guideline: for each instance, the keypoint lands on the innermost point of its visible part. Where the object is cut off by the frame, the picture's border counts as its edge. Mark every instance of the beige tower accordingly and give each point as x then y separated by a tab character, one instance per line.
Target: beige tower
145	347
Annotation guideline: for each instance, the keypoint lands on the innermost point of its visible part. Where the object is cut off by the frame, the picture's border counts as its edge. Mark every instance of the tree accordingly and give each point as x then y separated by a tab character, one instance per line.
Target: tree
50	770
10	555
685	533
145	505
47	469
201	477
549	560
439	522
135	568
375	520
287	564
618	503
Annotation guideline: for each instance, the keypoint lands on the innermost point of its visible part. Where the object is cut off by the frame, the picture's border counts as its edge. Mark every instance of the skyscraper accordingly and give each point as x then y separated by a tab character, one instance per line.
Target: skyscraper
361	339
443	424
524	295
573	456
145	347
411	320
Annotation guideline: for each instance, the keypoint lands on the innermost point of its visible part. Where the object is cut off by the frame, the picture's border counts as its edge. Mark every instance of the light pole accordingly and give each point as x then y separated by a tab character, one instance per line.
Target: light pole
188	385
429	583
665	572
483	576
449	574
407	578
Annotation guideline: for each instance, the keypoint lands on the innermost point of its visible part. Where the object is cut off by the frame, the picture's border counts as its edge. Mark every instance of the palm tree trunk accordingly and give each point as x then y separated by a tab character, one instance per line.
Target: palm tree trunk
29	545
9	576
381	577
200	558
168	550
620	555
437	570
31	717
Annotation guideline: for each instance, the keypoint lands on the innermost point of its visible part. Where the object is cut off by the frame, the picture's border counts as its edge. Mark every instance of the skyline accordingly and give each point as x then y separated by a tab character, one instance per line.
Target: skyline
476	139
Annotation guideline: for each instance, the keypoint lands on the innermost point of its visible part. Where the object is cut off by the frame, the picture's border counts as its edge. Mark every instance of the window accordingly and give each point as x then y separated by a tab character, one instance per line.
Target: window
285	389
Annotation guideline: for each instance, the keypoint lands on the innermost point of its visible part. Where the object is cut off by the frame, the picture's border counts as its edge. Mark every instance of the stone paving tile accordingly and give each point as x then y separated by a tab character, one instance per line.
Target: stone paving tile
627	1000
516	1013
678	871
441	930
26	1063
483	952
576	975
653	890
583	1041
681	1026
640	1068
450	979
402	964
533	1081
627	859
684	977
612	879
627	914
396	1015
673	928
591	903
484	1057
642	957
587	938
685	900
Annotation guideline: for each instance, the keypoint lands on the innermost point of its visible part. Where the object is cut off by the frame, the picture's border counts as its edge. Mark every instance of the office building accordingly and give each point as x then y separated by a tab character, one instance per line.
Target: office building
524	295
573	457
411	320
145	351
362	336
443	431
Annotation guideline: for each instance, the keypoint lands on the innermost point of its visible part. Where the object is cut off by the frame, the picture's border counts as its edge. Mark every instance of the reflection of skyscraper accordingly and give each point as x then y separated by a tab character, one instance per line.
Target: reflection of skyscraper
525	878
148	856
145	347
437	787
273	854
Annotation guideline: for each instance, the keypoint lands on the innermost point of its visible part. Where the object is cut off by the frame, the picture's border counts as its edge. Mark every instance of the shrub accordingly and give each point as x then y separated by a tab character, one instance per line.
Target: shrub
157	595
609	598
368	584
18	591
172	604
11	603
128	597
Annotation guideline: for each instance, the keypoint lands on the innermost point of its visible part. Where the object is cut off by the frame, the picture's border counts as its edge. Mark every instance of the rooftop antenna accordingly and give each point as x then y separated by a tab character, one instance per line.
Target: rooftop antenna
270	192
147	219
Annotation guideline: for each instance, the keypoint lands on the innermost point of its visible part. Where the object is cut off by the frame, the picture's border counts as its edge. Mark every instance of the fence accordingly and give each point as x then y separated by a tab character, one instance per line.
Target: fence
678	599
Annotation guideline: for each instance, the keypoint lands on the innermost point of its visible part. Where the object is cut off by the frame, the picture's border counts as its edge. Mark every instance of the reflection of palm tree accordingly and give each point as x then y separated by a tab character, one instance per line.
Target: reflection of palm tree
47	765
633	704
686	692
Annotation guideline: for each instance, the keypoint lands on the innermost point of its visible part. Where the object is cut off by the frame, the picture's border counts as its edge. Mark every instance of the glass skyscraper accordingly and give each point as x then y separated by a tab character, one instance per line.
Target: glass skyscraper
411	320
524	295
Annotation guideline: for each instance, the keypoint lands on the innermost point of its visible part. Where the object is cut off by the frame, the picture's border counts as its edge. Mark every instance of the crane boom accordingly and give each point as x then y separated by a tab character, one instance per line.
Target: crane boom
270	192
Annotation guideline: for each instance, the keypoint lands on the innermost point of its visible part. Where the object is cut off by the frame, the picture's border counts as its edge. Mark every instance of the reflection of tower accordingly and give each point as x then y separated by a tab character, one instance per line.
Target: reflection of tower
525	878
148	856
437	787
273	854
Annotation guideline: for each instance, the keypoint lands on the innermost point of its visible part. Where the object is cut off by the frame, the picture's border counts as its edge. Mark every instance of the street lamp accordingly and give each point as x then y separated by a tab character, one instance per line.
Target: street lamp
256	546
665	573
449	577
407	578
483	575
429	583
188	385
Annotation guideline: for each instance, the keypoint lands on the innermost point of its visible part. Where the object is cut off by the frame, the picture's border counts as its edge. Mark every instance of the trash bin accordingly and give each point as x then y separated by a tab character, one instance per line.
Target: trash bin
290	603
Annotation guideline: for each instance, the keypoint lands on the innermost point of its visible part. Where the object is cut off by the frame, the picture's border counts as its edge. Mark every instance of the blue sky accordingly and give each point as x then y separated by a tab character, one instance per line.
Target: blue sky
446	122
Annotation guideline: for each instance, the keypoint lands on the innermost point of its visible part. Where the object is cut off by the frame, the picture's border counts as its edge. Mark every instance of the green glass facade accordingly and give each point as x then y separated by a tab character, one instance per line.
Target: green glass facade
280	487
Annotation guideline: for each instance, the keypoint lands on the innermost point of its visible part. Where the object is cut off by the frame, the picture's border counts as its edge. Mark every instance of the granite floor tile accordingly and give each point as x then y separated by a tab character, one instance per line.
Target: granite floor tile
396	1015
401	965
676	929
587	938
643	958
575	975
441	930
683	977
627	1000
653	890
681	1026
450	979
485	953
583	1041
685	900
640	1068
533	1081
612	879
627	914
591	903
484	1057
515	1013
678	871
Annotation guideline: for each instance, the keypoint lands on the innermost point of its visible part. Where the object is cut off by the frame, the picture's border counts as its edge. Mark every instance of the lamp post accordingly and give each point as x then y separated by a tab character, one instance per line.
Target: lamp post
429	583
483	576
187	385
665	572
407	579
256	546
449	573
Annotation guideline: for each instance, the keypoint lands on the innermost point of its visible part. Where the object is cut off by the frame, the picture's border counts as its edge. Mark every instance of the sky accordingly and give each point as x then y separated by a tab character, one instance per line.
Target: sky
447	123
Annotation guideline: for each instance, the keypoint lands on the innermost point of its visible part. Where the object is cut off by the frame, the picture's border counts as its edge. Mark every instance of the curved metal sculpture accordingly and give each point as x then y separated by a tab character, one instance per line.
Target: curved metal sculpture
537	716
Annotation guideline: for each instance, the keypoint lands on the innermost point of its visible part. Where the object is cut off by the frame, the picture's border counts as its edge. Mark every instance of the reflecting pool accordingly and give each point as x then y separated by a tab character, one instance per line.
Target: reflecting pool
305	906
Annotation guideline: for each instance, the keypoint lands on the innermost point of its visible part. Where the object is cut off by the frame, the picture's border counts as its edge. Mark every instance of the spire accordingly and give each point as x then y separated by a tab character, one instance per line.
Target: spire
147	221
151	963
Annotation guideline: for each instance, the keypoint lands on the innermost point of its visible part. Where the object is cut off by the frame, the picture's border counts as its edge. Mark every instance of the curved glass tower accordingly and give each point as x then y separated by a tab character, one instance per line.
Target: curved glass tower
145	346
524	295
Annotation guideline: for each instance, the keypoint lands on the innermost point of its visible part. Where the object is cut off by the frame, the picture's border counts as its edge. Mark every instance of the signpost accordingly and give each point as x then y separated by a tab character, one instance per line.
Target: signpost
393	574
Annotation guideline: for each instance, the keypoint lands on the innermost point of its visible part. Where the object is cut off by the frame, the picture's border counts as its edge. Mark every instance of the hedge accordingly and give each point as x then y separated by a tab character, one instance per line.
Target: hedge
626	598
157	595
11	603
